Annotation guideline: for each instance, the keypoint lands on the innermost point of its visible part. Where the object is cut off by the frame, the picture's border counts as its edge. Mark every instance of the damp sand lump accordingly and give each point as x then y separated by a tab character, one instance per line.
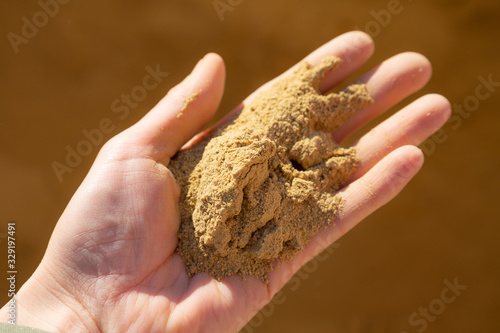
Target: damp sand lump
257	189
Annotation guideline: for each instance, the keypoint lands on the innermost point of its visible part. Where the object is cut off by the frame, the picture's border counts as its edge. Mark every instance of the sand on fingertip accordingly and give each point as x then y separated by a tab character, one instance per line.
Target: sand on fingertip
188	102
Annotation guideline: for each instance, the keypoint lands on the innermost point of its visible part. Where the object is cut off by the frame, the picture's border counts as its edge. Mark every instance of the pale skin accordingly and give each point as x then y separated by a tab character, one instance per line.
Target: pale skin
111	265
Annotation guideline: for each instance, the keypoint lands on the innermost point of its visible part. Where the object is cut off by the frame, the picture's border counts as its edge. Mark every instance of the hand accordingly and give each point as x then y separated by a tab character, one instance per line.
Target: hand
111	264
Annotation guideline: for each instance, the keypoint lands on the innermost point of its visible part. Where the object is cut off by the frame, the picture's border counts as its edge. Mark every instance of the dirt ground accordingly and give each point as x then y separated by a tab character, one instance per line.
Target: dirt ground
442	229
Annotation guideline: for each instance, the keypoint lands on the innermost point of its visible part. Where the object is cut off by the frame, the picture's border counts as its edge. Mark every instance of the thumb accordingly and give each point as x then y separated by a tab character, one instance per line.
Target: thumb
182	113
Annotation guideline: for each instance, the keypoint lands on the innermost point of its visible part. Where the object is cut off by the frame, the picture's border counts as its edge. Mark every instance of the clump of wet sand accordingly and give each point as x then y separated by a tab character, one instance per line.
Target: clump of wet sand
255	192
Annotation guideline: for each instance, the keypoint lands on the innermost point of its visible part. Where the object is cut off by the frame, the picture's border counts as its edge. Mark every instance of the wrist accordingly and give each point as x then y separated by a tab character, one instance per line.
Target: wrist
42	304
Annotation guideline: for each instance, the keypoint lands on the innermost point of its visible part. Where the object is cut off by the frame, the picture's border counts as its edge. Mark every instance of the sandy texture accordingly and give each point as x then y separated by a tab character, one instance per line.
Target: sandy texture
260	187
187	103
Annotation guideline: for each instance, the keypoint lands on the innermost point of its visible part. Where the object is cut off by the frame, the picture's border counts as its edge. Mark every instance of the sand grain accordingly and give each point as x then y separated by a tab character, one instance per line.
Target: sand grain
260	187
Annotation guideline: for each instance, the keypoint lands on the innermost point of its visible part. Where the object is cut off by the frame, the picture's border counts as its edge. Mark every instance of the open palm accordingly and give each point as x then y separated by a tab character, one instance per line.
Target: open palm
111	264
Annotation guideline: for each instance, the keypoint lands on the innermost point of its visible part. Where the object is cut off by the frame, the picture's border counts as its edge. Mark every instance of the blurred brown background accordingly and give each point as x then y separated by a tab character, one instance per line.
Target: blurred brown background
444	225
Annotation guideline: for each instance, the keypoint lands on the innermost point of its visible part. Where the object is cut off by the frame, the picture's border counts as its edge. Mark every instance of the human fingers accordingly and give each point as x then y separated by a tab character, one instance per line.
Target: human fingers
362	197
352	48
388	84
410	126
